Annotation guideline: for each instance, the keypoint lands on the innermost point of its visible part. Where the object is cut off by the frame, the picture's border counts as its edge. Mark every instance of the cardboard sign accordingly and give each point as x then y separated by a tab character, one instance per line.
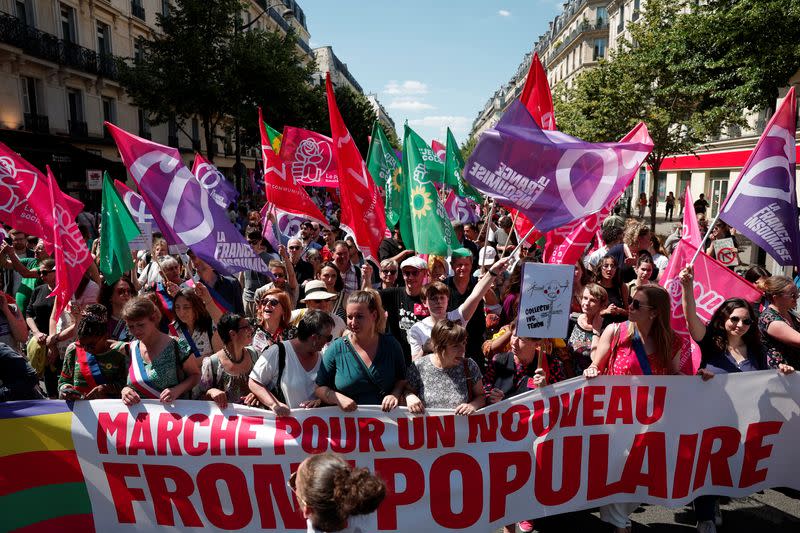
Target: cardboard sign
545	298
145	240
726	252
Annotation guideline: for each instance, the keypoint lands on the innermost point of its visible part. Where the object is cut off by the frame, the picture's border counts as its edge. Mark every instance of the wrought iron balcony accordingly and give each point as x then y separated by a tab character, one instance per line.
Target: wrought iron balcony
37	123
78	128
173	141
46	46
137	9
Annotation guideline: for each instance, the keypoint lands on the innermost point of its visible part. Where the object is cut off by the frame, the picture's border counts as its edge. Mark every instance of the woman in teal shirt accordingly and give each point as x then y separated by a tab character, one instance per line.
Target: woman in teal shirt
366	366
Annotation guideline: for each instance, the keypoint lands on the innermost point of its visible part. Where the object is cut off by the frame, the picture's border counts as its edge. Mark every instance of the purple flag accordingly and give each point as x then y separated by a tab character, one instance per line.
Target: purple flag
461	210
181	207
763	203
550	177
288	226
221	190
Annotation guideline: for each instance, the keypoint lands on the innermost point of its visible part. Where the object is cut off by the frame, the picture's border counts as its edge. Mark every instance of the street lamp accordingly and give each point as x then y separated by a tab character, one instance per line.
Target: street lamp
285	14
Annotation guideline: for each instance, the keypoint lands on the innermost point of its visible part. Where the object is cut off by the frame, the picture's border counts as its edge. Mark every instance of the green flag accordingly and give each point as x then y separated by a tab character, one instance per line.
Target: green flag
384	167
424	220
428	157
453	171
275	138
117	229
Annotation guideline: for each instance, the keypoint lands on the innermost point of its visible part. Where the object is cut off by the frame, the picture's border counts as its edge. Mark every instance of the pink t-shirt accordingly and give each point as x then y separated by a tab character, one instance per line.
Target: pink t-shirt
624	361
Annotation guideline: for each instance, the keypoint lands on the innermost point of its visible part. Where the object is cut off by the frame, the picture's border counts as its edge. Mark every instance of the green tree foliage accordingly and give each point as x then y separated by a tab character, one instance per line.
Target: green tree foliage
658	77
201	63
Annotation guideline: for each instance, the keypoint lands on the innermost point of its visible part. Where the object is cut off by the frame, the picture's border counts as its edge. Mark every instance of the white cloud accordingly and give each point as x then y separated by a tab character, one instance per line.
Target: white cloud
409	105
504	13
405	88
438	124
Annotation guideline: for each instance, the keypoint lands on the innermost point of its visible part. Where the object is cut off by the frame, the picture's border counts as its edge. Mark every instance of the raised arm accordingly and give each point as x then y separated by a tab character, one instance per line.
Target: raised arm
696	327
481	288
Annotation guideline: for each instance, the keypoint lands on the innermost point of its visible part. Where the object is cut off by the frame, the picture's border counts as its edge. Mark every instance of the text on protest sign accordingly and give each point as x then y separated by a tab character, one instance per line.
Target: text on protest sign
545	298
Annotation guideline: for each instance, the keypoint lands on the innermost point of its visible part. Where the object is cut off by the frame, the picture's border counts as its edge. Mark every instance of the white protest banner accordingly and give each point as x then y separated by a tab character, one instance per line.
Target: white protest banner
726	252
570	446
544	300
145	239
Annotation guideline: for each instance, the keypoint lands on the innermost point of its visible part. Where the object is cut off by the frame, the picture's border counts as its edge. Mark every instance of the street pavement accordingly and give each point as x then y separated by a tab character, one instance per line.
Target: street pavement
770	511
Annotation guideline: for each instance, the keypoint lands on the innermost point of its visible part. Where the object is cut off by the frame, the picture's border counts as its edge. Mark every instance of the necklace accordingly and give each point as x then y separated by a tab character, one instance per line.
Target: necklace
230	357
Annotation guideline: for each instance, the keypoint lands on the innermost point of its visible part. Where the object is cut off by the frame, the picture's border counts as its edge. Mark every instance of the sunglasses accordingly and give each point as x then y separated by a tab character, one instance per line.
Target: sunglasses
272	302
392	272
295	247
411	273
636	304
279	275
123	291
735	320
292	484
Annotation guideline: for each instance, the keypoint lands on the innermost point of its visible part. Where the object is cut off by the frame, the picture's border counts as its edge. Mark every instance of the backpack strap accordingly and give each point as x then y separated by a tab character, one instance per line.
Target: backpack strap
278	392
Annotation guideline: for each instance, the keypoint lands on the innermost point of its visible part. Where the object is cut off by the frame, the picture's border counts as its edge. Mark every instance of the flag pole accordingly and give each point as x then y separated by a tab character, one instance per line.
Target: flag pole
486	235
508	238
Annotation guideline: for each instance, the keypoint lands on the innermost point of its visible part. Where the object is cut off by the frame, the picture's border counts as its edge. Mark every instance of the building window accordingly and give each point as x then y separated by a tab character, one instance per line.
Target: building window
599	49
138	52
103	38
109	110
77	120
24	11
636	6
30	96
68	32
144	124
172	133
621	24
137	9
165	8
601	16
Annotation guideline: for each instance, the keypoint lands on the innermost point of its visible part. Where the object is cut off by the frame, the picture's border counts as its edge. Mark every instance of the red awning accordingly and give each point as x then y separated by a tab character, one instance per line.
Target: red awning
709	160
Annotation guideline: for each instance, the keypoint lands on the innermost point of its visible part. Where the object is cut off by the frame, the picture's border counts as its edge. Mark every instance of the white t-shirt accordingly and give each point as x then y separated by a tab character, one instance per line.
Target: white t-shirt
297	383
420	332
338	324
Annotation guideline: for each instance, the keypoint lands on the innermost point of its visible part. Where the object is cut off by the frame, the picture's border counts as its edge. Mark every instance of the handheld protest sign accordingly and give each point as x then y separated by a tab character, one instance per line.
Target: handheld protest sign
145	239
726	252
544	300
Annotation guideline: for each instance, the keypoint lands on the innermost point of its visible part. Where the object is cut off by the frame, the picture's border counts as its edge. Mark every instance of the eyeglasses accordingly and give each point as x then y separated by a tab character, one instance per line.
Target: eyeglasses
735	320
411	273
122	292
295	247
272	302
387	271
636	304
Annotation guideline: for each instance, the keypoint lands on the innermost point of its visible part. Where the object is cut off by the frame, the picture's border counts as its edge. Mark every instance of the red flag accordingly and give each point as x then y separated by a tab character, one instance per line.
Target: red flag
71	254
713	283
310	157
279	186
691	229
24	197
536	96
362	206
522	226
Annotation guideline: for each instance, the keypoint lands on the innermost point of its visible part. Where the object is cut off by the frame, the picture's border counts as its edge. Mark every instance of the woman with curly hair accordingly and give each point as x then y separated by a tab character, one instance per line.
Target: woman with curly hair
193	324
331	492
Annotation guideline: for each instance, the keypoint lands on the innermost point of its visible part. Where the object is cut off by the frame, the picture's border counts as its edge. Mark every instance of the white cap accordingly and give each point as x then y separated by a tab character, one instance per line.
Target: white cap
414	261
487	256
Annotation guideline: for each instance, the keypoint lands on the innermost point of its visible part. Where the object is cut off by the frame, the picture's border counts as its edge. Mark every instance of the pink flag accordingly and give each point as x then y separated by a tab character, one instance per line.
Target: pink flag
691	229
713	284
460	210
310	157
362	206
440	149
24	197
281	190
72	257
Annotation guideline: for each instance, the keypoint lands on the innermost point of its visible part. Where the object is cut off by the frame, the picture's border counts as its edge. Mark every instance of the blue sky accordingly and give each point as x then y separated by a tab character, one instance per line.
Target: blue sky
435	63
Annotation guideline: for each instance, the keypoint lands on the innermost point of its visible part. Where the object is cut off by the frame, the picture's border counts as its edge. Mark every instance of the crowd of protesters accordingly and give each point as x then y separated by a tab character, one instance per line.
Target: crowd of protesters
329	328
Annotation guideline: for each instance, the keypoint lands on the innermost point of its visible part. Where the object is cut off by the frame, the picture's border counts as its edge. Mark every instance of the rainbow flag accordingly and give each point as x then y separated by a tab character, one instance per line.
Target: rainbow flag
41	483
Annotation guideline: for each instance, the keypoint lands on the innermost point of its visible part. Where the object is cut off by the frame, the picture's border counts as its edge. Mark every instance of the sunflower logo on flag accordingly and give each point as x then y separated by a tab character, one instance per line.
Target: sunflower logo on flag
421	202
396	179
